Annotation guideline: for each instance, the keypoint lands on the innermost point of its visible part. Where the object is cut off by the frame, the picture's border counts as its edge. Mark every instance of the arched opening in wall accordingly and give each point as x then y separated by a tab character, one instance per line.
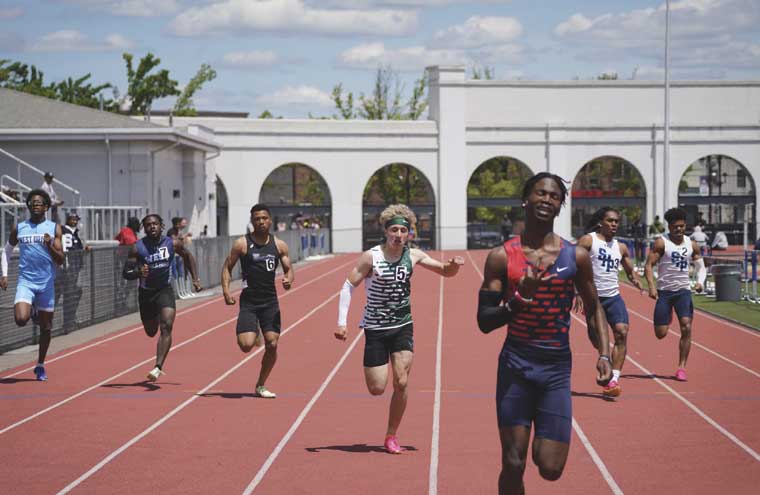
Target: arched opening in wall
222	209
718	192
608	181
399	183
298	197
494	206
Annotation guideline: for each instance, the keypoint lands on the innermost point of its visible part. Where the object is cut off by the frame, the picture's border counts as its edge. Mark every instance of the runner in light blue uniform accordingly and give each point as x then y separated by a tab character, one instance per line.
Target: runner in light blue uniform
40	249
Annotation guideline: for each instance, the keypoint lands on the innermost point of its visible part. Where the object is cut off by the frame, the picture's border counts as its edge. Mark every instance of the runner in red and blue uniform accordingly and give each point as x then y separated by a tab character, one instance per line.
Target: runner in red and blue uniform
529	284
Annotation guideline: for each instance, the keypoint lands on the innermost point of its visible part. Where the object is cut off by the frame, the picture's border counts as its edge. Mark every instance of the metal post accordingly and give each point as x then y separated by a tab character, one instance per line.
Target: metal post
666	149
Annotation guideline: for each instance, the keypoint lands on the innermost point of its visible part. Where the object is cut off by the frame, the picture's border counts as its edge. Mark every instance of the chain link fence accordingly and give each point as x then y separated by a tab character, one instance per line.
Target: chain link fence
89	288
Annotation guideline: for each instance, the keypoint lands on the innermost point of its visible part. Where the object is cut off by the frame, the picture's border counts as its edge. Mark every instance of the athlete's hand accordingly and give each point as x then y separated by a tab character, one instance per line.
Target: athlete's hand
144	271
47	240
4	283
197	286
341	333
532	279
578	306
637	283
604	369
653	293
229	300
286	283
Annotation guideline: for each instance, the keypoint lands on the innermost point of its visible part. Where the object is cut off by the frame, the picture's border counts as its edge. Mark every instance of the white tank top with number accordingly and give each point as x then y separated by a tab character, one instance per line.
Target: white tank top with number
605	260
673	268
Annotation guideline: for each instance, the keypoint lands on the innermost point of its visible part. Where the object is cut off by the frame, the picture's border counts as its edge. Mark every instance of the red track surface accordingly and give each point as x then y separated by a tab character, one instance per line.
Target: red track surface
199	430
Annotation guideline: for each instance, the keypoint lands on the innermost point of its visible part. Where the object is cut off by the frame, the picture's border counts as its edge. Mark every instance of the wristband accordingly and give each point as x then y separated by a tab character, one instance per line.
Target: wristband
605	358
522	299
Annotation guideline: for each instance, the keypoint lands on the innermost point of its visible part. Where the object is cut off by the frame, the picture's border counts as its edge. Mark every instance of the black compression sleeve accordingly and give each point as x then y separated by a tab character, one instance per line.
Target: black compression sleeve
131	271
491	314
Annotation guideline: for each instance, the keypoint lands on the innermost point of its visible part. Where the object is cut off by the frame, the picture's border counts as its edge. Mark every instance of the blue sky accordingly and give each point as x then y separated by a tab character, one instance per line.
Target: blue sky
286	55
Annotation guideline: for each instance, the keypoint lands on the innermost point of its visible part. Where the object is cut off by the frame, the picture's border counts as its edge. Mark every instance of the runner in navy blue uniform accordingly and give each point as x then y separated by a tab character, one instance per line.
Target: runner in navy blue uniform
529	283
150	261
259	253
39	251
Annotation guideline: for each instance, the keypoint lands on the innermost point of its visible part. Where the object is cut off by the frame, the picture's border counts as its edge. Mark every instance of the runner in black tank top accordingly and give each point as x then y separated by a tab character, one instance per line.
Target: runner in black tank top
260	253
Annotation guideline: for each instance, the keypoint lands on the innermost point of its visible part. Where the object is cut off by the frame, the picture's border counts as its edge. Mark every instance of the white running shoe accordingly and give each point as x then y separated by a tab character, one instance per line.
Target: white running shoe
262	392
154	374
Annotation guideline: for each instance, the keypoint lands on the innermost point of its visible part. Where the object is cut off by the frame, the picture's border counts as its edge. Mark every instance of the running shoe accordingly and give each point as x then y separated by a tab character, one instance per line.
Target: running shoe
39	371
391	445
154	374
262	392
612	389
681	375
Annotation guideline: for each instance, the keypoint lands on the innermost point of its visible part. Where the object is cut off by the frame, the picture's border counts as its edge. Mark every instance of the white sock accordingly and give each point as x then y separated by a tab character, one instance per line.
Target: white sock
40	364
616	375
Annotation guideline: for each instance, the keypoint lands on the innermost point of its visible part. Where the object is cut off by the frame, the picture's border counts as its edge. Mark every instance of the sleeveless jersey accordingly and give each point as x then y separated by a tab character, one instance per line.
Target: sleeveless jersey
258	267
71	240
158	256
388	289
605	260
673	267
540	328
35	264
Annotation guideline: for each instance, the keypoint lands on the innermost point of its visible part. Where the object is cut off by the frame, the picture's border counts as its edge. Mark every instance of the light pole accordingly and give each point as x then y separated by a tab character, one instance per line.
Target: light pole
666	148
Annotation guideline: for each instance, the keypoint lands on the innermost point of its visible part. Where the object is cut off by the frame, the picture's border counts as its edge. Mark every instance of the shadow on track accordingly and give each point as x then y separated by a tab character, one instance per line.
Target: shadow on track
358	448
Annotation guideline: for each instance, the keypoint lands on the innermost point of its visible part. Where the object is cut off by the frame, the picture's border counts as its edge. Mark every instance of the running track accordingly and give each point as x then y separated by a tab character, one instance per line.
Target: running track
96	427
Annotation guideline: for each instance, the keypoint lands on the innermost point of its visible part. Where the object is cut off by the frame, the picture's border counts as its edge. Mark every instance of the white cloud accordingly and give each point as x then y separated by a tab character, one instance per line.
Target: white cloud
296	95
7	13
479	31
245	16
249	60
70	40
399	3
130	8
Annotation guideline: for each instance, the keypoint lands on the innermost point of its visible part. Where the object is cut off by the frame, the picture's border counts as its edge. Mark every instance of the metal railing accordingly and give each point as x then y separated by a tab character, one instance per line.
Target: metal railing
89	287
20	162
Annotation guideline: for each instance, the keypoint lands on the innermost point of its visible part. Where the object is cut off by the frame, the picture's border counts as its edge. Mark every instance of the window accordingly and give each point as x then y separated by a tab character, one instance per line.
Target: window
741	178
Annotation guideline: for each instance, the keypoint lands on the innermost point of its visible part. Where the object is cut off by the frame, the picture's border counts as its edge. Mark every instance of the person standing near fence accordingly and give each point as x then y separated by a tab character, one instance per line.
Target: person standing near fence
259	253
387	322
607	256
672	253
150	261
40	251
74	248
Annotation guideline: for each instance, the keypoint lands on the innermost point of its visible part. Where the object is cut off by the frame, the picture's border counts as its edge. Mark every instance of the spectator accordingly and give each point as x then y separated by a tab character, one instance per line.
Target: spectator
700	238
179	224
205	231
757	244
128	235
68	281
281	226
720	242
47	186
657	227
638	232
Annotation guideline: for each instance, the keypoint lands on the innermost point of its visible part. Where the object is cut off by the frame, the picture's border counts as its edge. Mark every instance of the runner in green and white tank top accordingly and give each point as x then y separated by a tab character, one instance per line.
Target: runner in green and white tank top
388	289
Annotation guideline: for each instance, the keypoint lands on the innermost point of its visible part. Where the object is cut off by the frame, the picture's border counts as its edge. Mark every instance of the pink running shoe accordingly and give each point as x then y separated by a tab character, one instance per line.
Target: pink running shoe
391	445
612	389
681	375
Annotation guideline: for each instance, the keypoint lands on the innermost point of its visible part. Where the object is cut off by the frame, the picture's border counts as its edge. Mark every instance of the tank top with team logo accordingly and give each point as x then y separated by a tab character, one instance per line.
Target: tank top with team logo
673	267
605	260
158	256
258	266
388	289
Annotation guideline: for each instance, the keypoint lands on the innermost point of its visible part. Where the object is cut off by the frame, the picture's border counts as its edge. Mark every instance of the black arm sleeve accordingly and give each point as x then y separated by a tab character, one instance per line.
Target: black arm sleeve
491	314
131	271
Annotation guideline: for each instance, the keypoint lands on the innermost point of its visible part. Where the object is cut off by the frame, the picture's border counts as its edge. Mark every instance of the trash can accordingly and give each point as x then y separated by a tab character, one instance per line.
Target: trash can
728	283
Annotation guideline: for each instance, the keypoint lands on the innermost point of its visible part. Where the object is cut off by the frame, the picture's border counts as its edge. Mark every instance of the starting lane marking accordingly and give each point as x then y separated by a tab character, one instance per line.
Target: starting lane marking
141	363
691	406
97	467
578	431
131	330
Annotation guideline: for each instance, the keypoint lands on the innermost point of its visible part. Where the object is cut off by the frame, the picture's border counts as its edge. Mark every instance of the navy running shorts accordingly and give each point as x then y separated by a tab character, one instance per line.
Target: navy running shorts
614	309
254	316
668	300
152	301
380	344
534	392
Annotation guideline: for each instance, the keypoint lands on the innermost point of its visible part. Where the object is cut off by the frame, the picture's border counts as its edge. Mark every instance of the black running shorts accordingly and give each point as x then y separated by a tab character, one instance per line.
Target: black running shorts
380	344
255	316
153	300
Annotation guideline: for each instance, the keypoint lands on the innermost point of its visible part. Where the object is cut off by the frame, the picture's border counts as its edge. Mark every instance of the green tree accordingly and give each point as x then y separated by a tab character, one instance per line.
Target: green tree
485	72
22	77
143	88
384	103
77	92
397	183
184	104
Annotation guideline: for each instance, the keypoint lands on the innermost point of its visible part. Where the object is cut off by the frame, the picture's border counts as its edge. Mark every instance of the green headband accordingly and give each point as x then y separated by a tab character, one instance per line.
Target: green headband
397	221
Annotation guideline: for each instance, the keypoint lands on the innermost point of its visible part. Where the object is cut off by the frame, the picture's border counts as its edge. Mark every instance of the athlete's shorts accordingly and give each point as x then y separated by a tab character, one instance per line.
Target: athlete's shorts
614	309
380	344
533	392
41	297
255	316
668	300
152	301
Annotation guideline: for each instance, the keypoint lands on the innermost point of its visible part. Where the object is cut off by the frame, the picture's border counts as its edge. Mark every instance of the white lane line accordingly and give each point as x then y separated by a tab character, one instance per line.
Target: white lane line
99	384
127	332
97	467
285	439
597	460
584	440
691	406
704	348
434	442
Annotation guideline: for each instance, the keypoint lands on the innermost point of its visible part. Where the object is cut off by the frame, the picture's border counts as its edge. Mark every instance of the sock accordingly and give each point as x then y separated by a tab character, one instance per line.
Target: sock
41	365
159	367
616	375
